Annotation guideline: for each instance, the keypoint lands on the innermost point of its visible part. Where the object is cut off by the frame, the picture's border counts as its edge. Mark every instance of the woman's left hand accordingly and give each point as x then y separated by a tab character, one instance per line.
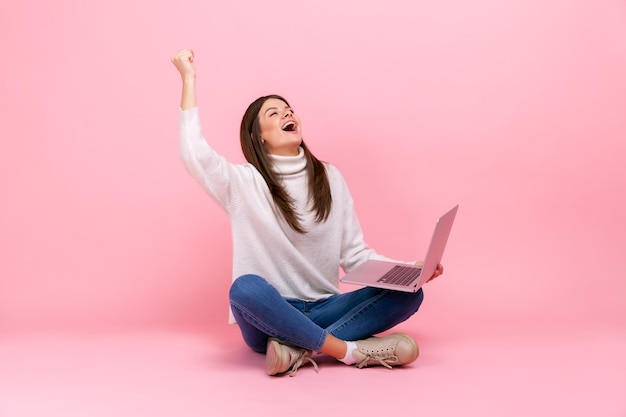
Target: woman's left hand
438	270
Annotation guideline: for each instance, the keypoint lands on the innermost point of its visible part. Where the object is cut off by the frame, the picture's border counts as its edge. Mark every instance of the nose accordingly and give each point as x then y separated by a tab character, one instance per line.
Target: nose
287	113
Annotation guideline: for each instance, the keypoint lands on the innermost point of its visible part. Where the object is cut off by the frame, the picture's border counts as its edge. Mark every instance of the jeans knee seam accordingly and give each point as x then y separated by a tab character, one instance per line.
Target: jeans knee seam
271	332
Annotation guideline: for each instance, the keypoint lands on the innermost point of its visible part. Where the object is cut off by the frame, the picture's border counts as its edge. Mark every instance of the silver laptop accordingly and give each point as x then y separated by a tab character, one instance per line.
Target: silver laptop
403	277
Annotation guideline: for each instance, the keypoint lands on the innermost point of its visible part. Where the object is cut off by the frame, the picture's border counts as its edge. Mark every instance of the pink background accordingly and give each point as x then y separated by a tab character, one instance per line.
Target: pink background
514	110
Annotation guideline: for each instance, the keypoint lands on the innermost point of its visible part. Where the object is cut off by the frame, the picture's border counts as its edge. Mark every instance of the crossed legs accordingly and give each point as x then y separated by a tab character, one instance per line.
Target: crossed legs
322	326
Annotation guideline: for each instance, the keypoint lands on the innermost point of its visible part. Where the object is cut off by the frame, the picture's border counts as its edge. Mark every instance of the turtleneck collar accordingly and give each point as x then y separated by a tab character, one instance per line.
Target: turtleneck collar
289	165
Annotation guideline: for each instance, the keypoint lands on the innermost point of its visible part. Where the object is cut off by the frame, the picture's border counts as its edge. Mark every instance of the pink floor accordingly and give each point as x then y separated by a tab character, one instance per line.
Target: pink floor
465	369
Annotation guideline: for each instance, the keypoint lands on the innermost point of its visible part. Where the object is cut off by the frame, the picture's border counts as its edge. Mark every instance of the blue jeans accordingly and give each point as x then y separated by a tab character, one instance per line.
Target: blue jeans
262	312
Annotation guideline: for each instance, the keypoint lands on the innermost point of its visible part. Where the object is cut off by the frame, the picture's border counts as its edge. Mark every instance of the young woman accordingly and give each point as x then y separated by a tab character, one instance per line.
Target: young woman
293	226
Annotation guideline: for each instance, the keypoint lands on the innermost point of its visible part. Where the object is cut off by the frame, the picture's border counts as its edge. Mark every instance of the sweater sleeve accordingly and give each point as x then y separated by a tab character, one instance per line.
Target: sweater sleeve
354	249
211	170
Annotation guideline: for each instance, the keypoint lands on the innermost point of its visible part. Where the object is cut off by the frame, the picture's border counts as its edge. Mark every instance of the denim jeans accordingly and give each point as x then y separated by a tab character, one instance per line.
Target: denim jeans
262	312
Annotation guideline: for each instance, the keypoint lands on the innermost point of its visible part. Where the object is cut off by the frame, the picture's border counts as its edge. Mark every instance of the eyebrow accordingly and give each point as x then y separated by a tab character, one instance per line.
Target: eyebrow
275	108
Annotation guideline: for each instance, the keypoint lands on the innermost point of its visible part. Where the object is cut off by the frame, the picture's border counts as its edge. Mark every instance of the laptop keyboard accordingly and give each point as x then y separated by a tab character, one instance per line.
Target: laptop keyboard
401	275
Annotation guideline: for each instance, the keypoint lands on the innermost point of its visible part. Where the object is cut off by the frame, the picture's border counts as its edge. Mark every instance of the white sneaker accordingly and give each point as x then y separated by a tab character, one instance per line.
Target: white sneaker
282	358
393	350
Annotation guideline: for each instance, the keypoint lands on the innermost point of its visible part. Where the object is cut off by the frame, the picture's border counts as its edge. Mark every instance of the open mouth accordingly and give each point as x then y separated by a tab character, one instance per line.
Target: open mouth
289	127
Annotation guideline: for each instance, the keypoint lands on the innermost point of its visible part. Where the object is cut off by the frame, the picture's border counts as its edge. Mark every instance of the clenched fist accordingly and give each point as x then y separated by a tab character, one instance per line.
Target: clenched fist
183	61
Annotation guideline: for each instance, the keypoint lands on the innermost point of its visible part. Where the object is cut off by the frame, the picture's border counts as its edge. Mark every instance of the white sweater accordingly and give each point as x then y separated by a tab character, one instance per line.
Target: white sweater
303	266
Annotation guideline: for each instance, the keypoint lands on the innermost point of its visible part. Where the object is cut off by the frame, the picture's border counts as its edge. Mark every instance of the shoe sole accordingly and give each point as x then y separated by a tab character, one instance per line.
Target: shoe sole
272	360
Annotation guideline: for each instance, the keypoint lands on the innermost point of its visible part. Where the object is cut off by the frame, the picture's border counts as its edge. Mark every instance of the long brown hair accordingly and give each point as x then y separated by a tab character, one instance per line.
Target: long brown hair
256	154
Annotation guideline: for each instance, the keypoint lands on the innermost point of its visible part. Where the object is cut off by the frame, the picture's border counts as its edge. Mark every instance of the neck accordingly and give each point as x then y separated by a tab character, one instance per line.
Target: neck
286	152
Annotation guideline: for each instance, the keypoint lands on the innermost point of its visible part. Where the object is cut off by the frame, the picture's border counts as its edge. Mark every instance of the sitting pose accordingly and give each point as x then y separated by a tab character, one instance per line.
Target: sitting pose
293	227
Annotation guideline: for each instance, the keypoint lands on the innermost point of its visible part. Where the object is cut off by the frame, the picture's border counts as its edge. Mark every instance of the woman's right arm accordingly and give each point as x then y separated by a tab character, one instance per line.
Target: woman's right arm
183	61
212	171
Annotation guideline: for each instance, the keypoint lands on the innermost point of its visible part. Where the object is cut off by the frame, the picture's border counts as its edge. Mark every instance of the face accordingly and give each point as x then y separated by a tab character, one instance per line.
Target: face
280	128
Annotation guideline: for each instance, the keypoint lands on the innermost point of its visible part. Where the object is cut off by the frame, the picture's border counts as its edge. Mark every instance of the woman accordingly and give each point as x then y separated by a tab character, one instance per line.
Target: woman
293	226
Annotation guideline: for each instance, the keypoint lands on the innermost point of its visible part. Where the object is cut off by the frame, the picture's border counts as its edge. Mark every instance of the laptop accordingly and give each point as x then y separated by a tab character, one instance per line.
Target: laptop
405	277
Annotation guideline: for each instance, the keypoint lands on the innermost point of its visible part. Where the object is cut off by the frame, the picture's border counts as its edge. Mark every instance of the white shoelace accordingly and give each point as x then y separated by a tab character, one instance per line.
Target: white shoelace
302	357
384	360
